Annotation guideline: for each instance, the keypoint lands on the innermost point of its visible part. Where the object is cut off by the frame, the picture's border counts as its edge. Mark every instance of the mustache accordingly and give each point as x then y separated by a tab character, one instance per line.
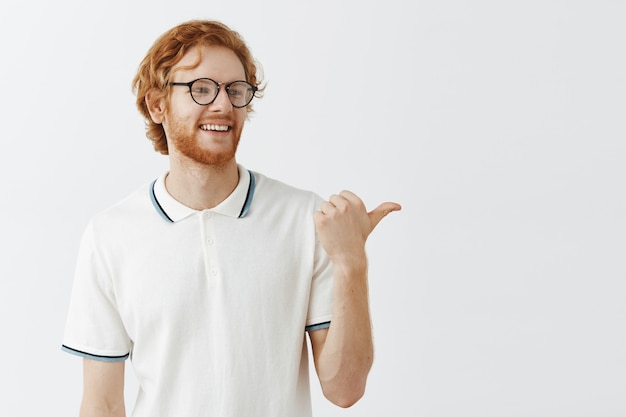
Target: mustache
217	121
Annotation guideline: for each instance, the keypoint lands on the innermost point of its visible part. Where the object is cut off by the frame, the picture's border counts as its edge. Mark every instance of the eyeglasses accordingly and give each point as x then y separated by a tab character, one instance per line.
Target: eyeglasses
204	91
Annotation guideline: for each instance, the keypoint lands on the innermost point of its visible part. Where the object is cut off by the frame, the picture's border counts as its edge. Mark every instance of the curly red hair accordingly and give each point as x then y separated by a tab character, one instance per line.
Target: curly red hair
155	69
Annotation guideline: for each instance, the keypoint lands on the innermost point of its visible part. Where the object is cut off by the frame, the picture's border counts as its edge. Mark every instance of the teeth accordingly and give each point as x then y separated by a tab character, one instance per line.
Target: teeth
219	128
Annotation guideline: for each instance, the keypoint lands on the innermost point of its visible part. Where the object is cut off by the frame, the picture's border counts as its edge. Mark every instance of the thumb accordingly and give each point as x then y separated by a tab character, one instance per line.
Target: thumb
381	211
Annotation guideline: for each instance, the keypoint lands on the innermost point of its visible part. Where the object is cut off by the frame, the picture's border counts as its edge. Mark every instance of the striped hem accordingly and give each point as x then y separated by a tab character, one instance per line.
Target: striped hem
318	326
94	357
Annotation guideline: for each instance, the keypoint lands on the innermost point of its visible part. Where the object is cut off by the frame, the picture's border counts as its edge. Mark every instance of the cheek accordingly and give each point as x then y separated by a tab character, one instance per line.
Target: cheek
181	117
240	117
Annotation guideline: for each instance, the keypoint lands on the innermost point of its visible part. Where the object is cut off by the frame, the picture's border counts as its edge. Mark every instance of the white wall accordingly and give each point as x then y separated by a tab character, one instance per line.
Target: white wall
498	290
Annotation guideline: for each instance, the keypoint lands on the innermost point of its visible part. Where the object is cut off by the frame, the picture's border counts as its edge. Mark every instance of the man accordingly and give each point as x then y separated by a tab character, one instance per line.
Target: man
209	278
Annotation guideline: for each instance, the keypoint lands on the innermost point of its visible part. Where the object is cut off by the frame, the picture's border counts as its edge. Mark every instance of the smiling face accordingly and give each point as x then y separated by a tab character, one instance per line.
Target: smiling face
208	134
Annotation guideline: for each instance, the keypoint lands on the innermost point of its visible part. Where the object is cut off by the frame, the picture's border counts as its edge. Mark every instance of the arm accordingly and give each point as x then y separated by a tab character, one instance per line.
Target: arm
344	352
103	389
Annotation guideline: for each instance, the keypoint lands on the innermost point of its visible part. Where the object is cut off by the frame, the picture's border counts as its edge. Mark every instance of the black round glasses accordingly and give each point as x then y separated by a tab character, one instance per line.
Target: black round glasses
204	91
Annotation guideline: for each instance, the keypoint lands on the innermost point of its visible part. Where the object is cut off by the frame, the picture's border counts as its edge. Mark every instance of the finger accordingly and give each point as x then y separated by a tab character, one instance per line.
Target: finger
350	196
346	199
326	207
381	211
338	200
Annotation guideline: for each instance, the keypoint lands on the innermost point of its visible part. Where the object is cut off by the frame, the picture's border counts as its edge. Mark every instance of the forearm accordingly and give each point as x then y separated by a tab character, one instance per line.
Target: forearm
102	410
103	389
347	355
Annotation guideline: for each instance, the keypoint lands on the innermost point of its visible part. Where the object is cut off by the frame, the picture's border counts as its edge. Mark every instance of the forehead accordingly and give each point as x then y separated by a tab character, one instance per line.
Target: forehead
216	62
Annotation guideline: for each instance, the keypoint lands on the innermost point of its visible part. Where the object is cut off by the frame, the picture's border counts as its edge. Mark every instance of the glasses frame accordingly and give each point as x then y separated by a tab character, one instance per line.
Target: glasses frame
217	91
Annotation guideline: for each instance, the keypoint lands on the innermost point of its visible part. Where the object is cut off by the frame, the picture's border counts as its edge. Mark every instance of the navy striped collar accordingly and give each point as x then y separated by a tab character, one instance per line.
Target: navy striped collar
236	204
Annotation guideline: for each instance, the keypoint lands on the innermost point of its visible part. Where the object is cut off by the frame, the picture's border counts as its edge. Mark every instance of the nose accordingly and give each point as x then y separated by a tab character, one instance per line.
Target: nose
221	102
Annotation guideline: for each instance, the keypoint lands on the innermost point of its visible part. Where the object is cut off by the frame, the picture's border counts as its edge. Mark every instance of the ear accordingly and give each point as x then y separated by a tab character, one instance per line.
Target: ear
156	106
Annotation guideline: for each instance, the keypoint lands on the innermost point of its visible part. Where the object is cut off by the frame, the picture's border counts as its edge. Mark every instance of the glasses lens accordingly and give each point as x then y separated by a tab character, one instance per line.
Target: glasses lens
240	93
204	91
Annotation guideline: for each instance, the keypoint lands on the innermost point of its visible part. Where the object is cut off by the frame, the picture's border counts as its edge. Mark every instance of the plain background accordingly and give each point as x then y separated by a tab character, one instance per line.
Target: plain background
498	290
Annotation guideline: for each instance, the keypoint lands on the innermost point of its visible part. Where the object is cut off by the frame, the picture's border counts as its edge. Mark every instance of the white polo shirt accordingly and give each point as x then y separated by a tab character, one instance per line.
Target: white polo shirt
212	305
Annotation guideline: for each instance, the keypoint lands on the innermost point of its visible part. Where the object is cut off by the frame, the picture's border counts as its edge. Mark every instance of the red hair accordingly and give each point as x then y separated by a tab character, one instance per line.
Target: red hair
155	69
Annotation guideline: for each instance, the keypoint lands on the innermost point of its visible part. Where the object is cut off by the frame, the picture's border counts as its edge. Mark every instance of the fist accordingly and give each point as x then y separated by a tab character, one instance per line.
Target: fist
343	224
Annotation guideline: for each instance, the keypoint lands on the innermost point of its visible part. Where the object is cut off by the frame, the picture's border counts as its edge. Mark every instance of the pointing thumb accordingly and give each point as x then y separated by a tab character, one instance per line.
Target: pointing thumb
381	211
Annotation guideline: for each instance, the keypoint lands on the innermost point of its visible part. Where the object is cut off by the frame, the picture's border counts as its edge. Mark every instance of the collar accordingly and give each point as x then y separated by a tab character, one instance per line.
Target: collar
236	204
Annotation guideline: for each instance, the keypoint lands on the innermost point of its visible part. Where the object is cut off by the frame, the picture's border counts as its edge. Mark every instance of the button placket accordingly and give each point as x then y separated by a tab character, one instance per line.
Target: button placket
208	243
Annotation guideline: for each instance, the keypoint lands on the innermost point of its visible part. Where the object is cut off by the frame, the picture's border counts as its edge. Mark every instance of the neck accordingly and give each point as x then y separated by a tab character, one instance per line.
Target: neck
201	186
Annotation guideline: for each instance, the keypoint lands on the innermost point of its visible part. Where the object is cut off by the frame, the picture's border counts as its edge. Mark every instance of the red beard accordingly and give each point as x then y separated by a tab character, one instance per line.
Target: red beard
188	143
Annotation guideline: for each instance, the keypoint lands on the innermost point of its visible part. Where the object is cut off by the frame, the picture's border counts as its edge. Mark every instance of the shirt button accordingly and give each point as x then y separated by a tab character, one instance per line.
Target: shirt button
213	271
209	241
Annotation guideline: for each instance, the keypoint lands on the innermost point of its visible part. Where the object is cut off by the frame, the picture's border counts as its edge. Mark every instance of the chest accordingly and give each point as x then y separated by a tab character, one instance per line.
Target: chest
212	273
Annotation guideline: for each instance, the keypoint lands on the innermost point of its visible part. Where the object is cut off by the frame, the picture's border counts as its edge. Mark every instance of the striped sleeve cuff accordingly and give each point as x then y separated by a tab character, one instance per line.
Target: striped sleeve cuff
319	326
94	357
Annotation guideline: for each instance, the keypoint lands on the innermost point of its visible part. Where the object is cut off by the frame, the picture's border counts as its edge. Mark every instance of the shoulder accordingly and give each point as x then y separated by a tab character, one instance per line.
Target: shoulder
135	207
278	188
268	188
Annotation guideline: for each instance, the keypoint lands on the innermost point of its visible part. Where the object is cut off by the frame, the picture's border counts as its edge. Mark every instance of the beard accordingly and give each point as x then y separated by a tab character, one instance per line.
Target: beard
188	143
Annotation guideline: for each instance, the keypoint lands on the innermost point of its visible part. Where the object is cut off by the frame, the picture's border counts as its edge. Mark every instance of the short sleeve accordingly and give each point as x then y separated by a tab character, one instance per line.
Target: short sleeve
321	298
93	327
